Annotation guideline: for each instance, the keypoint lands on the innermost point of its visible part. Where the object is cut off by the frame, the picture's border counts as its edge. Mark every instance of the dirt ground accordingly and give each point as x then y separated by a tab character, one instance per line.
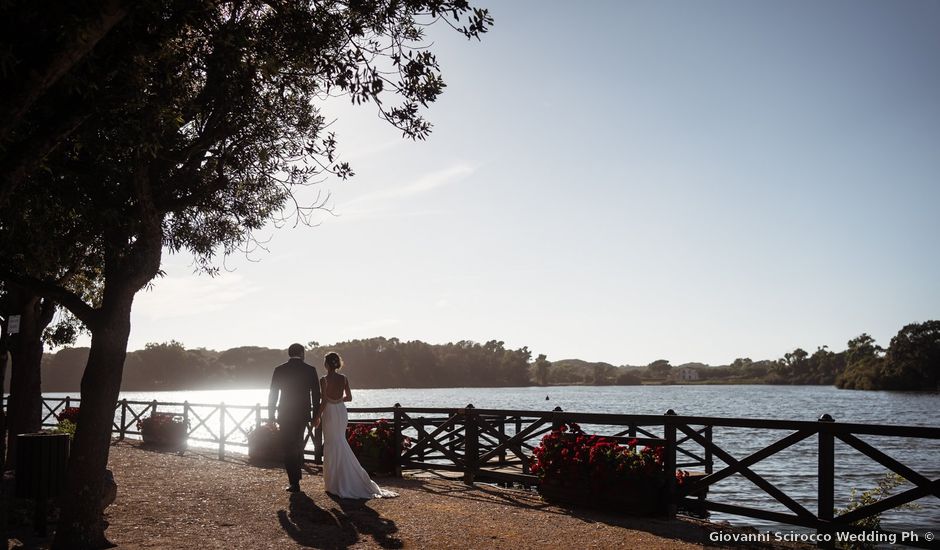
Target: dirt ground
195	500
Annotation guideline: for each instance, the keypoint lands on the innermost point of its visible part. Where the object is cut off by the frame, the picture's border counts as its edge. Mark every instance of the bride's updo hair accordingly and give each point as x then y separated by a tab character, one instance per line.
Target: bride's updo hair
333	361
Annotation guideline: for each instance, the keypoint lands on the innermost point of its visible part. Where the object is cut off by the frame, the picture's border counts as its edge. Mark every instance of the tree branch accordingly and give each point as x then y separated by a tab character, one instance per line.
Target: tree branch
36	82
28	154
84	312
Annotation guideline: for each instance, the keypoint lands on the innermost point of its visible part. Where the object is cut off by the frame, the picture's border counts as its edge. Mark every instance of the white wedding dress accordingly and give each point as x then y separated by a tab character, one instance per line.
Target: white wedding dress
342	474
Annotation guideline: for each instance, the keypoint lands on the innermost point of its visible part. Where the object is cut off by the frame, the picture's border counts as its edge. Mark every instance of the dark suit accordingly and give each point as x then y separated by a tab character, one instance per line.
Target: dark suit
295	393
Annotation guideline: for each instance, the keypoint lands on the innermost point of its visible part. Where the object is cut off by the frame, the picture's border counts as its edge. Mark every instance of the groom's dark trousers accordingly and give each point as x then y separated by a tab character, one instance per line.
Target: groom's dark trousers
295	392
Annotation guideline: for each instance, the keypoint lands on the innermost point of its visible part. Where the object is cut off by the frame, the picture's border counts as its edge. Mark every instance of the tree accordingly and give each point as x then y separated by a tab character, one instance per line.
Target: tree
203	128
659	368
542	364
863	364
602	374
912	361
41	102
861	347
35	314
627	378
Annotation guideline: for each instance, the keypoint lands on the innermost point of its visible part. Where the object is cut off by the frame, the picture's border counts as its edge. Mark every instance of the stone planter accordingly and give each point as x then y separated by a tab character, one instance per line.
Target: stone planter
264	445
165	431
640	496
375	465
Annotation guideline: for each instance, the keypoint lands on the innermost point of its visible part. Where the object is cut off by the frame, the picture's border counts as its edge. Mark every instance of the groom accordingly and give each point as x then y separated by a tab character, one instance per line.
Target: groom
295	394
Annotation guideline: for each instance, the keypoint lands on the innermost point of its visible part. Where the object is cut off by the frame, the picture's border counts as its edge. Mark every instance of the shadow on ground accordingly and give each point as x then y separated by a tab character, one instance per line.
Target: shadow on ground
339	527
692	531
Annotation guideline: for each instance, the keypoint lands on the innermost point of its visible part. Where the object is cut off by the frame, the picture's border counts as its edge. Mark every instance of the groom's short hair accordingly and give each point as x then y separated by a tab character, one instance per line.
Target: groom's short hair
295	350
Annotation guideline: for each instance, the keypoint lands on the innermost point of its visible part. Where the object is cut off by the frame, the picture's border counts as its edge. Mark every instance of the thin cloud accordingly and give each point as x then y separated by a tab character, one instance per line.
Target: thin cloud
175	297
424	184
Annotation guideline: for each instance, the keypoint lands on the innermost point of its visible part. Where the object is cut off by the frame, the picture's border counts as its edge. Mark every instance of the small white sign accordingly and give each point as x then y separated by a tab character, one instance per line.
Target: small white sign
13	325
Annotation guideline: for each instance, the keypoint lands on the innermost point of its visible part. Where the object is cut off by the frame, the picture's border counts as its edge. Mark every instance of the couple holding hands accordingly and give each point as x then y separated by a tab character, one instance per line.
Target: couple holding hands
299	396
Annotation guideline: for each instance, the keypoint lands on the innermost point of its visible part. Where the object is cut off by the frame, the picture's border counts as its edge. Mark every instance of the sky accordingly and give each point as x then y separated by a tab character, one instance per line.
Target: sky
623	182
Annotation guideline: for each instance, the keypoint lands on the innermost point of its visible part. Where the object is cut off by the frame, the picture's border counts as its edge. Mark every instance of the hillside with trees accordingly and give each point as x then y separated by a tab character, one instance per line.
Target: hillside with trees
910	362
370	363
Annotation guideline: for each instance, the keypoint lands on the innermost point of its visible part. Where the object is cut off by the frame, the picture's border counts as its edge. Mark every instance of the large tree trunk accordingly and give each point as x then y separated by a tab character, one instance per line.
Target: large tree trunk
25	405
80	524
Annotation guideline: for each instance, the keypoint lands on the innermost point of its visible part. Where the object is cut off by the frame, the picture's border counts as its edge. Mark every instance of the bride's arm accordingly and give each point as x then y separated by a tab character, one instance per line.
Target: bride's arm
348	396
322	401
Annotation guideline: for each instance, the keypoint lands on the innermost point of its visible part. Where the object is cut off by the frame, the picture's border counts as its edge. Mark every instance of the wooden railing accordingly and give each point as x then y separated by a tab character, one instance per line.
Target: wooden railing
496	445
219	425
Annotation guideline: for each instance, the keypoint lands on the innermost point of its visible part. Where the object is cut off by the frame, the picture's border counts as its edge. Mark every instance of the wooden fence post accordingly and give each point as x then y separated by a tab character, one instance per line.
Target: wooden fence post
186	417
153	408
709	460
502	432
68	402
826	477
555	422
257	415
399	438
222	431
123	419
471	445
669	462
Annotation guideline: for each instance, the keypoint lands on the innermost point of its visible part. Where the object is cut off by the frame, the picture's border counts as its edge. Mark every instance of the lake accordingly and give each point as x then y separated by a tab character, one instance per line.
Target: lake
792	470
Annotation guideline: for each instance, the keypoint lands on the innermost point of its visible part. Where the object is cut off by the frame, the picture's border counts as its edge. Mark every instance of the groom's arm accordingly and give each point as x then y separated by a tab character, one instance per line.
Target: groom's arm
272	397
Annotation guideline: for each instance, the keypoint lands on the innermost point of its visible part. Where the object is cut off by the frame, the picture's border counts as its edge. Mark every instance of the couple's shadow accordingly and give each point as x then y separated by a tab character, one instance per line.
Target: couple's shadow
339	527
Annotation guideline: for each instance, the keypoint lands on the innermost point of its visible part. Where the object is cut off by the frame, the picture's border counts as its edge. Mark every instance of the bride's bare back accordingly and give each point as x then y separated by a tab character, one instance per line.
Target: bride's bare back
335	387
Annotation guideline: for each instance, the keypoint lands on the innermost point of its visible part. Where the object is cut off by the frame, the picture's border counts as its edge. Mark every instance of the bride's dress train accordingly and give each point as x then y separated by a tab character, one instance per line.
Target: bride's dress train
342	474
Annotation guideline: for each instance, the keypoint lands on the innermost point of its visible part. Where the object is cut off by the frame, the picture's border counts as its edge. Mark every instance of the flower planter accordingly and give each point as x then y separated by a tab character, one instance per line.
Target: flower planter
643	496
164	430
374	446
264	445
376	465
585	470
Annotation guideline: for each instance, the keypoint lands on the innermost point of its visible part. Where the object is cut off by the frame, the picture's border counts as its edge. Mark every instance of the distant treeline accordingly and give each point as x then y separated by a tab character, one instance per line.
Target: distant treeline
911	362
371	363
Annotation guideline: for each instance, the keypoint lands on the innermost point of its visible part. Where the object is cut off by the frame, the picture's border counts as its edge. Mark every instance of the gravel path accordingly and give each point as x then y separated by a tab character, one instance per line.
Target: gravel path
197	501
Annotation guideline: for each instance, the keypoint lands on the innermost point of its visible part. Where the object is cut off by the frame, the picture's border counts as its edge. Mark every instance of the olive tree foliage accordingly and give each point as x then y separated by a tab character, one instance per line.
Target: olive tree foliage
197	123
42	100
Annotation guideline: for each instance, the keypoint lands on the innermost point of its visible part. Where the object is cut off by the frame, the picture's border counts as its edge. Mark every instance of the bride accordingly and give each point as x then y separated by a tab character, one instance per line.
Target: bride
342	474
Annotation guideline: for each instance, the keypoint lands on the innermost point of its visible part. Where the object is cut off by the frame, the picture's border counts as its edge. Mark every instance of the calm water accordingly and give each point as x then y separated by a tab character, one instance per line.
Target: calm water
792	470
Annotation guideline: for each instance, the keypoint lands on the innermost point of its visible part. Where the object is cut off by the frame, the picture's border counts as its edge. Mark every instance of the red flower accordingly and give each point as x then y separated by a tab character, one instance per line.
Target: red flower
69	413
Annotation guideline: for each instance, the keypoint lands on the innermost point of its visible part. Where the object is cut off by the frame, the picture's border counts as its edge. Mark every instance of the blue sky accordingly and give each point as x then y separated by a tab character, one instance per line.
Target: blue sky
621	182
